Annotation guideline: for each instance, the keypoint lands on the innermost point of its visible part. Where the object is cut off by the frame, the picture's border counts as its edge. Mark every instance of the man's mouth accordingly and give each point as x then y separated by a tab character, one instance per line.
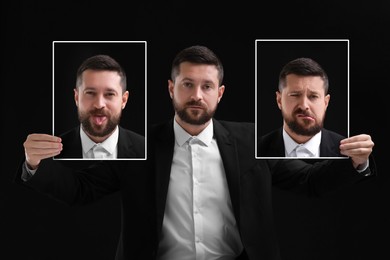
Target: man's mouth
98	120
195	107
305	116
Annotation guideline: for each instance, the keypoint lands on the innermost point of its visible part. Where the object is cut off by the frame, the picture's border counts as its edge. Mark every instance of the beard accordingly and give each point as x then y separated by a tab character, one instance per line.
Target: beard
303	129
193	117
98	130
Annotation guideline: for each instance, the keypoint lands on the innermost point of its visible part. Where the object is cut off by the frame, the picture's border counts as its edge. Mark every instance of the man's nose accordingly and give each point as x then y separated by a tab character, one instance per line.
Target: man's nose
197	93
100	102
304	103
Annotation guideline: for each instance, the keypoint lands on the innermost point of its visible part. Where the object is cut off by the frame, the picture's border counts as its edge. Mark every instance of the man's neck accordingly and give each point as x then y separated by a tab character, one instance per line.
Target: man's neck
192	129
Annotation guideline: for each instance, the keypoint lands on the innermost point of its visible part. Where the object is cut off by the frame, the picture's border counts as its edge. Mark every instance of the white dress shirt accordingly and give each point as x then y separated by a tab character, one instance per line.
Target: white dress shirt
198	221
309	149
105	150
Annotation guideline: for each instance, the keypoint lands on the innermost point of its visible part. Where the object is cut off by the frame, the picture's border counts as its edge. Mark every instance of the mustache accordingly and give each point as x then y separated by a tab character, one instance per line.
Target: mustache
195	103
98	112
303	112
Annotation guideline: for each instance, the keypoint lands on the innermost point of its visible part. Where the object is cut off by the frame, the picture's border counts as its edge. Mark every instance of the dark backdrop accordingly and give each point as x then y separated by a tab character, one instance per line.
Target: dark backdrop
348	224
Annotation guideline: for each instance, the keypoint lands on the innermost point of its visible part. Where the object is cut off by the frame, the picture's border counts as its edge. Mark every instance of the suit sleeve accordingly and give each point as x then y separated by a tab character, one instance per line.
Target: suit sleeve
70	186
318	178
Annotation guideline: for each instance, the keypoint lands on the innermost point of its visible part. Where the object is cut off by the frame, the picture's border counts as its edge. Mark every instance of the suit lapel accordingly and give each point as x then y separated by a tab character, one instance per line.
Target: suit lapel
279	144
228	149
163	152
125	149
75	148
328	146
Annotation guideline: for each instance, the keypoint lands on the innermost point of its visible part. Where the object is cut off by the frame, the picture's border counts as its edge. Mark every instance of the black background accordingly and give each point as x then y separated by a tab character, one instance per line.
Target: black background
348	224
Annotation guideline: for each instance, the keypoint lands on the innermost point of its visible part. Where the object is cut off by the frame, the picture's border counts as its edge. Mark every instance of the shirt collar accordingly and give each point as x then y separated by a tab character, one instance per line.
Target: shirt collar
182	136
109	144
312	145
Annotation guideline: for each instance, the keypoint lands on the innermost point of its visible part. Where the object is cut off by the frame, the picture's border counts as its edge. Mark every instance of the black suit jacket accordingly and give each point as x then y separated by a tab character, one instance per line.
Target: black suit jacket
272	144
143	186
130	144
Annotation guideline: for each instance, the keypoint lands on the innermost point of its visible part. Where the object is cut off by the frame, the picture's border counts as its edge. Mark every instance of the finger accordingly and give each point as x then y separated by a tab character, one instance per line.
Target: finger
43	137
42	141
42	145
43	151
48	155
35	160
356	138
356	145
358	152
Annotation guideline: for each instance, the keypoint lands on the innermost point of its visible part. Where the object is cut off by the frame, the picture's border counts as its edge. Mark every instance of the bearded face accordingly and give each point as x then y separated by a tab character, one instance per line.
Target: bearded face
100	100
303	103
195	93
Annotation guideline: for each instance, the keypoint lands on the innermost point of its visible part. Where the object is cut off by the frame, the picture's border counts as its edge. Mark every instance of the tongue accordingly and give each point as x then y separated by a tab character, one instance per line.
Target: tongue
99	119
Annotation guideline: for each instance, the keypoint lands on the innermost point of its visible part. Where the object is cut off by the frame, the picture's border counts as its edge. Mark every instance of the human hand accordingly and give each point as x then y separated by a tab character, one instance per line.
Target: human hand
41	146
358	148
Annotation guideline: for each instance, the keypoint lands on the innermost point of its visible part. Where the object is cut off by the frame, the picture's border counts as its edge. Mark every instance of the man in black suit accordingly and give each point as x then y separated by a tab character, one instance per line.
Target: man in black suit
100	96
303	99
201	194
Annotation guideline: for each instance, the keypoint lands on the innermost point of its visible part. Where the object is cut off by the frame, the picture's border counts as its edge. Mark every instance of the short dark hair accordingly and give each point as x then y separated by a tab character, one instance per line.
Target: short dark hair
303	67
101	62
199	55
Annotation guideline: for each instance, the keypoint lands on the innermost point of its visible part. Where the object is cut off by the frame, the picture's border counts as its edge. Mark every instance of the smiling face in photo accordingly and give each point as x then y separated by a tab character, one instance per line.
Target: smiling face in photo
100	101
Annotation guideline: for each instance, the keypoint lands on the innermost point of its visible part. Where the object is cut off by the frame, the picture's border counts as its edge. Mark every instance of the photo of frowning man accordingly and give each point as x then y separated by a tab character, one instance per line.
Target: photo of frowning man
303	97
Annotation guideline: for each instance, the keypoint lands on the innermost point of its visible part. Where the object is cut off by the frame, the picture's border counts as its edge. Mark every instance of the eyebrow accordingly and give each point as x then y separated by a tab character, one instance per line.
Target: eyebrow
203	81
189	79
105	90
300	91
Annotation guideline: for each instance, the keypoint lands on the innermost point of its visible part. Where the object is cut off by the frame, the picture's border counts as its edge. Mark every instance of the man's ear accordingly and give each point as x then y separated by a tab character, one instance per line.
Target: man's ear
171	85
327	99
125	97
279	99
76	96
221	90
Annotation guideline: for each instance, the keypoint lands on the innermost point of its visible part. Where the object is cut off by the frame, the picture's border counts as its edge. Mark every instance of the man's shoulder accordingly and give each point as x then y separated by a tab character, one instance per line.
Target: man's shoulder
236	124
239	129
160	128
132	136
272	135
71	134
232	127
130	144
329	134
